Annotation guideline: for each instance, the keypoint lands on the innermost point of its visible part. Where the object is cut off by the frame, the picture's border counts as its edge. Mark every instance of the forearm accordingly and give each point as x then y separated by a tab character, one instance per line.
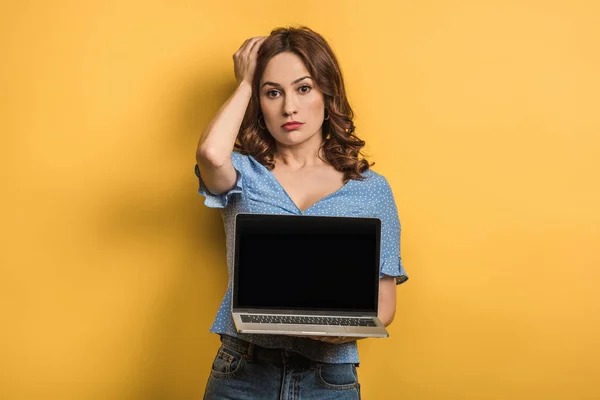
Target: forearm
217	141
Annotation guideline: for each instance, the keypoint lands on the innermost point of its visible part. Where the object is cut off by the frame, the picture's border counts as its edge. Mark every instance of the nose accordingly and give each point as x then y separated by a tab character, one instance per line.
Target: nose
289	106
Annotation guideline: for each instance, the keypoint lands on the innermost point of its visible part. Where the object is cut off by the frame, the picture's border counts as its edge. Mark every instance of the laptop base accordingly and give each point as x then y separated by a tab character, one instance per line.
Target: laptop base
378	331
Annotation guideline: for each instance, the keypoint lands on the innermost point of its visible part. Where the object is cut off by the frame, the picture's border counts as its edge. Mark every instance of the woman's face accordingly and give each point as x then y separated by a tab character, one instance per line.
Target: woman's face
288	93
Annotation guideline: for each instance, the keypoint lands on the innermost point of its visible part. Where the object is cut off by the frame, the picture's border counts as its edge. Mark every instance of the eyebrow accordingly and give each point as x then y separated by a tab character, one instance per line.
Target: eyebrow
278	85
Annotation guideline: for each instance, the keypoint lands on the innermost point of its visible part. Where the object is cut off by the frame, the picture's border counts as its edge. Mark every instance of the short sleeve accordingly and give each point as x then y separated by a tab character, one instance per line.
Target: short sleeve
387	212
222	200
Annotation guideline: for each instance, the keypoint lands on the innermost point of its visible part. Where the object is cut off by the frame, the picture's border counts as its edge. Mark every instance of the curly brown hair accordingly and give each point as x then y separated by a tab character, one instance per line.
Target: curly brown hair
341	147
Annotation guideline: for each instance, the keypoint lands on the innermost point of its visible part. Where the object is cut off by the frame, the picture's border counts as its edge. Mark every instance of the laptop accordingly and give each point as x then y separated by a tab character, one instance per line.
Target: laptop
307	275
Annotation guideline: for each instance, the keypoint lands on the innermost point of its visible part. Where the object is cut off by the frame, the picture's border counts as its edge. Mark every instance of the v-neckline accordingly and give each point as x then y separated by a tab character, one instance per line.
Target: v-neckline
290	197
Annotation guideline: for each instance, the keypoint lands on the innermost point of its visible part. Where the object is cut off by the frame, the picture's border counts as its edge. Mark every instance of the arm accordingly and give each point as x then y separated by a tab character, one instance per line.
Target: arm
213	154
391	265
216	143
387	300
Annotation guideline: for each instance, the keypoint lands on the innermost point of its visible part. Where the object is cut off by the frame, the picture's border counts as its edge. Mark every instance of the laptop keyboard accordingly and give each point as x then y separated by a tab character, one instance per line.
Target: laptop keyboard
293	320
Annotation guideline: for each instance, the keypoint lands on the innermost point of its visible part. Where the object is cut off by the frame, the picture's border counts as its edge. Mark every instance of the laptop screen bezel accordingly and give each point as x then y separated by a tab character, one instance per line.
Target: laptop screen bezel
240	218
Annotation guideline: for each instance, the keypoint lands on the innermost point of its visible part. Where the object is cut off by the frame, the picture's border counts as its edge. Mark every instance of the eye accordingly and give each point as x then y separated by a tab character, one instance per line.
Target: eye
308	87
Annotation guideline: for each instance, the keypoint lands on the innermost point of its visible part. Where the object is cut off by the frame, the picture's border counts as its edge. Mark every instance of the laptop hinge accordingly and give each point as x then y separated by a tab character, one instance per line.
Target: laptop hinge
305	312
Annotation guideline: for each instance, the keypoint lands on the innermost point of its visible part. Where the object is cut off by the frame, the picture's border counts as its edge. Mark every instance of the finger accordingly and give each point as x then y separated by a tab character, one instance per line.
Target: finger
242	46
249	46
256	45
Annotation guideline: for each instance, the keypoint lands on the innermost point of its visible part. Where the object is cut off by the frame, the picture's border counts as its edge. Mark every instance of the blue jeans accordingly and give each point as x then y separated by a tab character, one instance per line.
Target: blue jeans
242	371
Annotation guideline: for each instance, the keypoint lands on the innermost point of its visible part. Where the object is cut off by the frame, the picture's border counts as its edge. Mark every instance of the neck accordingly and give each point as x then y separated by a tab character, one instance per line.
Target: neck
300	155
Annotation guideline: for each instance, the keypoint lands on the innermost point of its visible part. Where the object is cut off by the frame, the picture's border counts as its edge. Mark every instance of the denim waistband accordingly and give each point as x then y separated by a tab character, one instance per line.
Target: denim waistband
236	344
253	351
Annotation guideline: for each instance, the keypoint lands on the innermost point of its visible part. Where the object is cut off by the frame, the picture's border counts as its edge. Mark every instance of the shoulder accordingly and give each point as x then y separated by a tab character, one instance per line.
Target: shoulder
237	157
374	181
241	161
374	189
248	166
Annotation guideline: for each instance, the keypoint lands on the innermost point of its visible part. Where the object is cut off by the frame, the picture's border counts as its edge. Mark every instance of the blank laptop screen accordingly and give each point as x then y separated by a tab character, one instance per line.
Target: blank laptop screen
306	262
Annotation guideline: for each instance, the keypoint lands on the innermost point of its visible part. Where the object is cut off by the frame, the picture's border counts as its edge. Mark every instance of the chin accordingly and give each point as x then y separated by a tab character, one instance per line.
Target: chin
291	137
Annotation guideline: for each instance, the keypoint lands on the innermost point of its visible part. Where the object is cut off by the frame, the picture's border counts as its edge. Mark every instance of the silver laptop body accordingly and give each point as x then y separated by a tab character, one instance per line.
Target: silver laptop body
307	275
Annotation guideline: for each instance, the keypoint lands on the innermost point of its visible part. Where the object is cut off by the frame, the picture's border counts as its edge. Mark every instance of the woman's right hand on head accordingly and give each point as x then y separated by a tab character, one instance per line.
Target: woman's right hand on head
245	59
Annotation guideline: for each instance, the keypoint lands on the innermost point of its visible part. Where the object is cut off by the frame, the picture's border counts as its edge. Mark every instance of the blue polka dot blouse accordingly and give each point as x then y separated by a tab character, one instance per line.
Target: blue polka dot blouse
258	191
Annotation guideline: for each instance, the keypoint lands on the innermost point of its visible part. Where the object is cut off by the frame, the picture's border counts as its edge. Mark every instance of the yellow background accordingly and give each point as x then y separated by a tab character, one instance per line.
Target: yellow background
483	115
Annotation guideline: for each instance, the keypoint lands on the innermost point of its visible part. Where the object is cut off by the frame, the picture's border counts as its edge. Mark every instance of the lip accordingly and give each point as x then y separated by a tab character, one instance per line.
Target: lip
291	127
292	124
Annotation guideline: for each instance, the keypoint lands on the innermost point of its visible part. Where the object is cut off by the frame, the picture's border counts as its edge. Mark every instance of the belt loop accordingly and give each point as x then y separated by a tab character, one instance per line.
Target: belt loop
250	353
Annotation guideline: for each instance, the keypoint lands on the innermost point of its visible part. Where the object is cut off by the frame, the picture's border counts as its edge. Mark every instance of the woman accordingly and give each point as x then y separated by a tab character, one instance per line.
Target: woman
297	155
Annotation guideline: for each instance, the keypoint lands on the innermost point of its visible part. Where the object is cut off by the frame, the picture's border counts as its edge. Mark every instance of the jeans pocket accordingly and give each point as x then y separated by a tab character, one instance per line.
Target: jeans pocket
227	363
337	376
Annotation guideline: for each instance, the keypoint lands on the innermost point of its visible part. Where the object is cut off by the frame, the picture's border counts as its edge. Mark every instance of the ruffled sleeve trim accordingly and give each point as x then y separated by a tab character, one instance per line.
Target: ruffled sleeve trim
221	200
393	267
